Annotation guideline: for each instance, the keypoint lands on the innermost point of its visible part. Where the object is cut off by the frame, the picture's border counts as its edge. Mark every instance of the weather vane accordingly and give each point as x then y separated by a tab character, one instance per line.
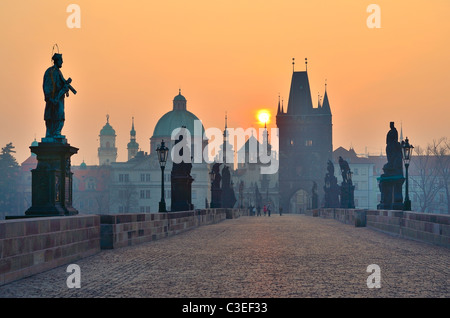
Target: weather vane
306	63
293	64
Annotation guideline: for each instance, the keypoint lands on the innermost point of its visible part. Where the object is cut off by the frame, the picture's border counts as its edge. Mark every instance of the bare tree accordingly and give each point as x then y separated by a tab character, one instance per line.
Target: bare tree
424	178
126	196
441	150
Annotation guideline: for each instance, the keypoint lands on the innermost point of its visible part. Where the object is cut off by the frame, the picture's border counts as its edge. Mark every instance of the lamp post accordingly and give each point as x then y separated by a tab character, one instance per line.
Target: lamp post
407	151
162	151
212	176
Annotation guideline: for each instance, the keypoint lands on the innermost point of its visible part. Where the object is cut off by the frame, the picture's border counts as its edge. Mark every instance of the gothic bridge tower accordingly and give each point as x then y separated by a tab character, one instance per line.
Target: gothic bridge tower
305	142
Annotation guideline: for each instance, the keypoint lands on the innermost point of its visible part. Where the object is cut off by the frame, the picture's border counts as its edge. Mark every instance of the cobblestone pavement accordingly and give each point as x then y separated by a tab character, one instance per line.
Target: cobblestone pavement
278	256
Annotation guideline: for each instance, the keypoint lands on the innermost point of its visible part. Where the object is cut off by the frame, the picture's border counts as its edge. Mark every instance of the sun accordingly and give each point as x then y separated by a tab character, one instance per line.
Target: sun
263	116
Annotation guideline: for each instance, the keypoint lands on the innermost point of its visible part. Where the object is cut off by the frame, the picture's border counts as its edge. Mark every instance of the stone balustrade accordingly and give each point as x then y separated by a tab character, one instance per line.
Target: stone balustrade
32	245
425	227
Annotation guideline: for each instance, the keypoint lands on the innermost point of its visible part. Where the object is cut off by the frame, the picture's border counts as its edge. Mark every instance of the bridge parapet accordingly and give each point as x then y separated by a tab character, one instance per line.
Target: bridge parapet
424	227
32	245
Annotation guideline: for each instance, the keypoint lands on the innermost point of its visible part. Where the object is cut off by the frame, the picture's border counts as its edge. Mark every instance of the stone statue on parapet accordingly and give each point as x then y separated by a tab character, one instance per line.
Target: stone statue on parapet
344	169
393	153
391	181
228	195
55	89
217	176
331	188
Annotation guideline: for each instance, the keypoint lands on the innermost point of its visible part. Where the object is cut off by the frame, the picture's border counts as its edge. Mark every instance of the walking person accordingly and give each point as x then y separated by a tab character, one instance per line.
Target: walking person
265	210
258	209
268	209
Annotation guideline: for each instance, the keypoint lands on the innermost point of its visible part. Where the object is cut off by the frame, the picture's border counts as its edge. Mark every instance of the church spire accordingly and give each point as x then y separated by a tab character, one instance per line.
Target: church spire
133	146
401	131
278	104
132	131
326	104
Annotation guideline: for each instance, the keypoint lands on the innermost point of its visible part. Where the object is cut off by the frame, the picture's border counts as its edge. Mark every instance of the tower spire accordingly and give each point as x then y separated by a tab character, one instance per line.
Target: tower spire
226	120
401	131
325	103
278	104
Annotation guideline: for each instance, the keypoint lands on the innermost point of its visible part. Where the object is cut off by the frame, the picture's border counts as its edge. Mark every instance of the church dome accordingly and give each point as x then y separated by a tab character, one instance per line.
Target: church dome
175	119
107	130
179	116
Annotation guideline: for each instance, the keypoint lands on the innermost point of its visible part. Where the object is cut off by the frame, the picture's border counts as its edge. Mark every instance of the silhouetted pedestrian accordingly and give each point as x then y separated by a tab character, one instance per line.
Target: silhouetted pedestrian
258	209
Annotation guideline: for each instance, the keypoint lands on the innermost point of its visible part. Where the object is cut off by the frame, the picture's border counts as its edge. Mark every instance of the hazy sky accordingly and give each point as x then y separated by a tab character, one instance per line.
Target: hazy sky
129	58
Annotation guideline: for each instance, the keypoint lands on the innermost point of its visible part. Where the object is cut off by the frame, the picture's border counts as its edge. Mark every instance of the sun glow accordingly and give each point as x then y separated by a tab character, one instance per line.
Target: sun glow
263	116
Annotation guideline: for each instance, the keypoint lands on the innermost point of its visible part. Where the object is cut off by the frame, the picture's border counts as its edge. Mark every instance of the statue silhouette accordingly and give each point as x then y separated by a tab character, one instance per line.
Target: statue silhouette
55	88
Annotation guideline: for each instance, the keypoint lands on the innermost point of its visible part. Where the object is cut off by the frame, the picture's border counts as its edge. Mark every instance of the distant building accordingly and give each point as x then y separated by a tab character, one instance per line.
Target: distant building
363	177
107	152
91	188
258	189
136	184
305	142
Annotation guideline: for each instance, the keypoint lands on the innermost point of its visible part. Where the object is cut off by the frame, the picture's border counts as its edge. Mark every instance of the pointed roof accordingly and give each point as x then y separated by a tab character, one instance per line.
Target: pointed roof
132	131
401	131
300	102
326	104
278	105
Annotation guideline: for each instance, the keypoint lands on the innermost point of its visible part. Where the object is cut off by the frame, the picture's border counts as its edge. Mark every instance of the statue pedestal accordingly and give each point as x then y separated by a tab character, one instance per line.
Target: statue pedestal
51	188
391	192
216	200
347	195
181	198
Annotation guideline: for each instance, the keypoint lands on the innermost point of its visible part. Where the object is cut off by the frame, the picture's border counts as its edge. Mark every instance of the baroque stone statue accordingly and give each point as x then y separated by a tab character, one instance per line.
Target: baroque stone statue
393	152
391	181
331	188
55	89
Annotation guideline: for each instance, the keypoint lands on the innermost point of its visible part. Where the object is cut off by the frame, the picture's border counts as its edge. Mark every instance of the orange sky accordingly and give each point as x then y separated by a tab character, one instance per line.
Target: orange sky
129	58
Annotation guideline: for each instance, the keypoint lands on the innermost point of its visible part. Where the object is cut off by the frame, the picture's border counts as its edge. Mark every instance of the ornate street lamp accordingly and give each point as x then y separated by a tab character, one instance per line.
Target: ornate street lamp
407	151
162	151
212	176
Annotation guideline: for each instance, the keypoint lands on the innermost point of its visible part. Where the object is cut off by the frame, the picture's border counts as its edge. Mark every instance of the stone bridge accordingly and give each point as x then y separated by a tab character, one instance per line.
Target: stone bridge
232	255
